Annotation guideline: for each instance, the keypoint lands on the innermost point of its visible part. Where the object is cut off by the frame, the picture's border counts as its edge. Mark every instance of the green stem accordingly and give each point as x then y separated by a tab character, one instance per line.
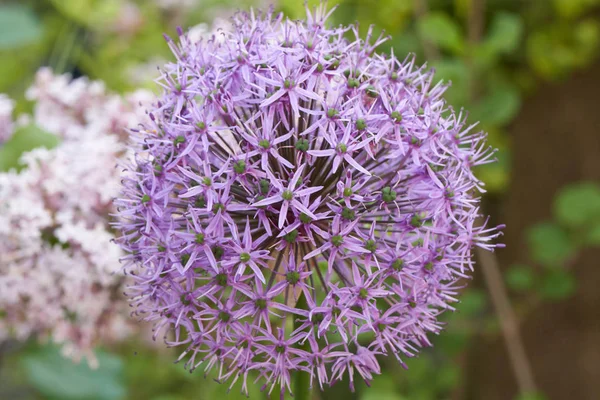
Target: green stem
302	389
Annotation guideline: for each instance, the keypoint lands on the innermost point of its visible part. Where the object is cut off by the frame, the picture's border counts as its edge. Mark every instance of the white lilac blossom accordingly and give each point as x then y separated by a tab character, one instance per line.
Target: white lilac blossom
57	264
129	20
202	30
7	106
299	203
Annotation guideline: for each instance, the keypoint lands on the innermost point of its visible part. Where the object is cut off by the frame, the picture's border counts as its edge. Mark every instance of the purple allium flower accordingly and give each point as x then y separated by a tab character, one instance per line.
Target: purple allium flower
299	203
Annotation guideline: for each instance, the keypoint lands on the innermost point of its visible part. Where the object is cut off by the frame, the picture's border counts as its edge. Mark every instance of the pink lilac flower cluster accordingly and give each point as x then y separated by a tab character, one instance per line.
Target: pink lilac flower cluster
299	203
57	264
6	122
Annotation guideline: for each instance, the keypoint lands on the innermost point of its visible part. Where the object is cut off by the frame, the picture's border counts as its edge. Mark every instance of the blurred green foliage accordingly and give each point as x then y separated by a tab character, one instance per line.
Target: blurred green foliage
59	378
441	30
494	58
520	278
554	245
102	39
549	244
578	205
152	375
18	27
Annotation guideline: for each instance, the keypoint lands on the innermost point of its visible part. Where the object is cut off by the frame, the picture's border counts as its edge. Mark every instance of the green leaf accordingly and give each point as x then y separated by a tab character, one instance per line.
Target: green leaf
593	238
557	284
499	107
296	9
531	396
573	8
370	394
463	8
18	26
472	302
448	377
555	50
169	397
549	244
24	139
453	70
382	388
519	278
97	14
441	30
505	33
578	204
57	377
302	379
495	175
455	339
405	43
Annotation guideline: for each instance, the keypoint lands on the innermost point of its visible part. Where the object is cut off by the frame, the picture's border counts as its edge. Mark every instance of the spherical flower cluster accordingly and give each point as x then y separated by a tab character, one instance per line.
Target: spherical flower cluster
57	262
299	203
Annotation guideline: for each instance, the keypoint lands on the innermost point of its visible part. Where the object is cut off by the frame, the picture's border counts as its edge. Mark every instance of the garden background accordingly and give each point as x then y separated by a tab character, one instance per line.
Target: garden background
528	326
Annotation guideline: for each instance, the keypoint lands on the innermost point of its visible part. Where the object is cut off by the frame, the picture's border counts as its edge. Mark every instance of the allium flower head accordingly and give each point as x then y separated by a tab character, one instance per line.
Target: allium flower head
299	203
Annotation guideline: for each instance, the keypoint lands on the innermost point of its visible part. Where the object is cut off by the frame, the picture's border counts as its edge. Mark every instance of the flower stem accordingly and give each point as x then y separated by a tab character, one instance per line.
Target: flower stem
302	390
508	322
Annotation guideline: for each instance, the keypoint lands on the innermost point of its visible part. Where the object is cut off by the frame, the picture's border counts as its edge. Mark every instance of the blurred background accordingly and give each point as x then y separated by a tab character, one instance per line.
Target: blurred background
527	327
